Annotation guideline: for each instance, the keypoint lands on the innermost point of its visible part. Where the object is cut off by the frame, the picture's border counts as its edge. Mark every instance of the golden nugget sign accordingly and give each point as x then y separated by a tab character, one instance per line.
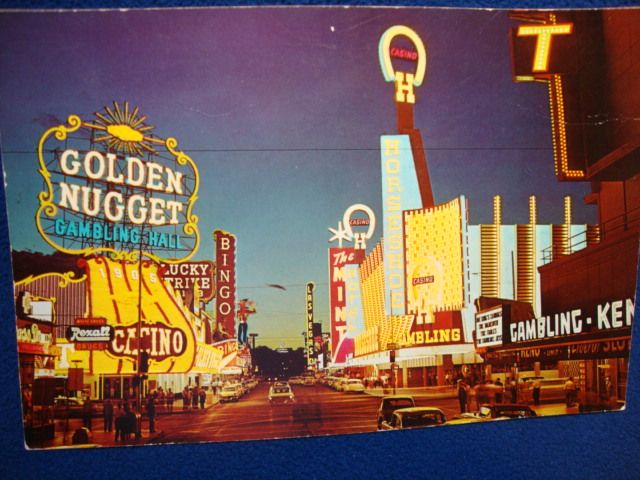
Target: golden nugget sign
111	186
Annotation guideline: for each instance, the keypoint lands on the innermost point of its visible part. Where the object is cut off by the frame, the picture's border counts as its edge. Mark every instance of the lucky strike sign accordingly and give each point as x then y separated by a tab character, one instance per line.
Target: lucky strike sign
186	276
112	187
163	331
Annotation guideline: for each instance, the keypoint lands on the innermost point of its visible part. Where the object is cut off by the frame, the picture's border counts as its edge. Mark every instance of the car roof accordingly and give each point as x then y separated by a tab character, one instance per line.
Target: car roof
509	406
419	410
397	397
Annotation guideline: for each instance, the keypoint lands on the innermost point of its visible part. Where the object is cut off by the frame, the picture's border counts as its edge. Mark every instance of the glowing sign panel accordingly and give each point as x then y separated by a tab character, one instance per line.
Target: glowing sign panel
225	280
164	330
434	246
111	187
189	275
400	192
544	35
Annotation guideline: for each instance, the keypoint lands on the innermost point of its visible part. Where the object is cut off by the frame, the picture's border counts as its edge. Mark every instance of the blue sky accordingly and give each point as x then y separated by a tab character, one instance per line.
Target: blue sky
282	111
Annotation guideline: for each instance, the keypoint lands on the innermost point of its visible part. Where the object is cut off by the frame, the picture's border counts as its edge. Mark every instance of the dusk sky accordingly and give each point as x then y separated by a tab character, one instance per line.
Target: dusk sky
282	111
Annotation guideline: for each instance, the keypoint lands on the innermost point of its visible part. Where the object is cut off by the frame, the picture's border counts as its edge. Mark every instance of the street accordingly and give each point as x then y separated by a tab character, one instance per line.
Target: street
318	410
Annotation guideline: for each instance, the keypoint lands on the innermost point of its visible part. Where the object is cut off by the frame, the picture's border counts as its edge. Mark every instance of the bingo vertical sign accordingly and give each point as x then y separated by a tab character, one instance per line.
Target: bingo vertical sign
225	280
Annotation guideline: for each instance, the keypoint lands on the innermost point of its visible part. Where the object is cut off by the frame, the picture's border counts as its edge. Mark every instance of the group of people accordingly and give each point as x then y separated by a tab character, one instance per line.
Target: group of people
193	397
484	392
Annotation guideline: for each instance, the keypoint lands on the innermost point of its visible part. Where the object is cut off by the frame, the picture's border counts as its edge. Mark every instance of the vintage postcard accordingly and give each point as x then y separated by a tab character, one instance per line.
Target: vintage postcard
256	223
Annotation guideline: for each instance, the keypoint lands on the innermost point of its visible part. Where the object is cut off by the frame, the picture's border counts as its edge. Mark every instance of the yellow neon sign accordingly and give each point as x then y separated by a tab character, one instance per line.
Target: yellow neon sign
404	81
123	131
544	34
165	331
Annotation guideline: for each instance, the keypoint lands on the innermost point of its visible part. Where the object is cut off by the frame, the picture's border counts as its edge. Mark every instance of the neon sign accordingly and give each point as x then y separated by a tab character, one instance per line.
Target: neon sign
113	187
552	62
404	81
311	355
345	232
163	330
544	35
225	279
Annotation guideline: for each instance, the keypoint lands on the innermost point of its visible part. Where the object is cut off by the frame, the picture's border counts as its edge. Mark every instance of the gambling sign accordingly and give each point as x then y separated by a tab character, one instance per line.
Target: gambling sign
112	187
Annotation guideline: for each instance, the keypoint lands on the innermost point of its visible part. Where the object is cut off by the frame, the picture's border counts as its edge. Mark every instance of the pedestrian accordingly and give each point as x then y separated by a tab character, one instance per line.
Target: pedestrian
569	391
130	423
194	398
170	396
499	391
202	396
107	413
185	398
161	396
514	390
463	395
151	413
87	413
120	423
536	391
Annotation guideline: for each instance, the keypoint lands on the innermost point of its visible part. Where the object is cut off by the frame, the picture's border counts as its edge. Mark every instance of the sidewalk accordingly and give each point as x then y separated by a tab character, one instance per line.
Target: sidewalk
99	438
446	391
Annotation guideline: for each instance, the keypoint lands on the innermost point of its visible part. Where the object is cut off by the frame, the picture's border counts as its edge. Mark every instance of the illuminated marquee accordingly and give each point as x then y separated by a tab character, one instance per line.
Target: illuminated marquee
113	187
544	35
404	81
225	280
434	250
611	315
400	192
189	275
141	316
345	231
339	258
311	356
547	53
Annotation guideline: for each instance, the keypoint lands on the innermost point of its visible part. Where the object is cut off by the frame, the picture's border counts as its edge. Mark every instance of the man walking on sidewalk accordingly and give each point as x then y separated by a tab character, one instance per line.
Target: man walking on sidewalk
108	415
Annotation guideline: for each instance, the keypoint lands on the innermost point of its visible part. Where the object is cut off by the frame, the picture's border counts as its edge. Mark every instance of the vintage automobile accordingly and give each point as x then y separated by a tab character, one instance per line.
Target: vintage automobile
281	394
390	404
230	393
414	417
502	411
354	385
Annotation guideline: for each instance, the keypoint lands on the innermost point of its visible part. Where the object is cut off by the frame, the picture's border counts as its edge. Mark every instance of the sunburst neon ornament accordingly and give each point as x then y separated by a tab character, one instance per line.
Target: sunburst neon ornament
125	130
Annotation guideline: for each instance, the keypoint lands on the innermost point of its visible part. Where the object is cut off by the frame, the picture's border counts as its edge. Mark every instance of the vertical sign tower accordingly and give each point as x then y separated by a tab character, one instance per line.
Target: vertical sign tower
311	356
405	176
225	281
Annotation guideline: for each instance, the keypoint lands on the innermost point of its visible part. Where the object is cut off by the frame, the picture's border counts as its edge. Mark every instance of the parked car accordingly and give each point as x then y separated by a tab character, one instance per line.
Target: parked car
68	406
354	385
414	417
281	394
390	404
503	411
309	381
230	393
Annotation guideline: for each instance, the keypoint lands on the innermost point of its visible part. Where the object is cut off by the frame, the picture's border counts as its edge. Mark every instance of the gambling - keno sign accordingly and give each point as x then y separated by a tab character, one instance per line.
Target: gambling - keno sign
112	186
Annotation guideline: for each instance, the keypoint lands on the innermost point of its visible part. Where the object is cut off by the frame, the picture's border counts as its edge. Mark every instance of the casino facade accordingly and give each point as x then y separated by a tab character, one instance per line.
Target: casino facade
440	298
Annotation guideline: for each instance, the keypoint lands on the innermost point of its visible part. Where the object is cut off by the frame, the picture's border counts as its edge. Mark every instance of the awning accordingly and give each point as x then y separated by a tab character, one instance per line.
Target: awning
466	358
